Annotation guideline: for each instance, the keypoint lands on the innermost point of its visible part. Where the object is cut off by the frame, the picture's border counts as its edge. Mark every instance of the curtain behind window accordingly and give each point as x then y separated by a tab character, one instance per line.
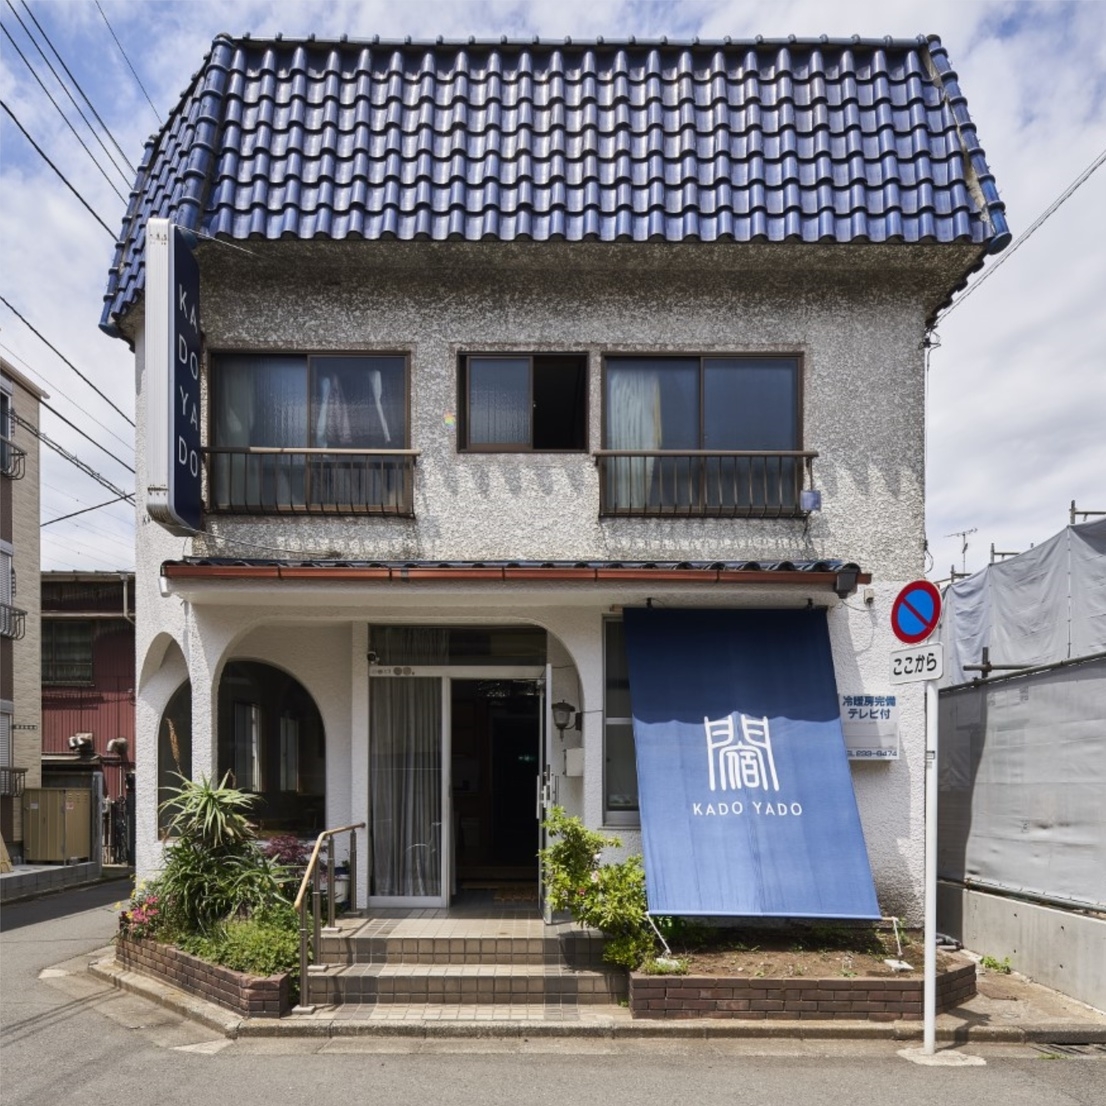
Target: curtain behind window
259	401
405	785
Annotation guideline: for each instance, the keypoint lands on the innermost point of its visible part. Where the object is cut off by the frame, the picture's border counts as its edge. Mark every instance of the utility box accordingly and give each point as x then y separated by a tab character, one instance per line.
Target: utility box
57	825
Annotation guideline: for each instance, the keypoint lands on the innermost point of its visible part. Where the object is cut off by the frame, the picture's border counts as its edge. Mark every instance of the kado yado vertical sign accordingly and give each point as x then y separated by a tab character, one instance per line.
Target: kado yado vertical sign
174	347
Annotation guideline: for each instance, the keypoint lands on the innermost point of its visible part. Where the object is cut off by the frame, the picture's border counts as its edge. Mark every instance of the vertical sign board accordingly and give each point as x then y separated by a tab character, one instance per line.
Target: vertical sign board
173	348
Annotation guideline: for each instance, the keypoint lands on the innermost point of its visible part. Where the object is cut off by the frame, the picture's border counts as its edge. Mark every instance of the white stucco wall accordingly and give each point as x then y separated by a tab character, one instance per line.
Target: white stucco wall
858	328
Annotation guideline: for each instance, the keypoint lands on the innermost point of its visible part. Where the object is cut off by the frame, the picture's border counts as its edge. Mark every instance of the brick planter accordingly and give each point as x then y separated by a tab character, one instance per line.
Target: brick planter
251	996
691	996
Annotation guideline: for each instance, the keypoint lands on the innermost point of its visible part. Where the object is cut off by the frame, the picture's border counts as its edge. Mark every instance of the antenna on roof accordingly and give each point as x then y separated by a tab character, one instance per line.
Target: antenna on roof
963	535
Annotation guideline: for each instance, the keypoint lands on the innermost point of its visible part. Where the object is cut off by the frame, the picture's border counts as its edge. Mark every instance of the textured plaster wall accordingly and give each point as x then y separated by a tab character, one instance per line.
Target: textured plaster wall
858	334
857	327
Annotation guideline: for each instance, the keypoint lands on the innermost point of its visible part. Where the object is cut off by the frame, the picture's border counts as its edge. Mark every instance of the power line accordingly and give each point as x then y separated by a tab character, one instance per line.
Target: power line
76	84
71	457
1036	225
58	107
38	334
42	154
128	61
82	511
35	373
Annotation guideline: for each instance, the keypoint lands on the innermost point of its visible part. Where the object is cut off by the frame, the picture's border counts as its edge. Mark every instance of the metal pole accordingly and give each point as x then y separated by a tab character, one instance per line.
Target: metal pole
305	998
353	869
330	883
929	995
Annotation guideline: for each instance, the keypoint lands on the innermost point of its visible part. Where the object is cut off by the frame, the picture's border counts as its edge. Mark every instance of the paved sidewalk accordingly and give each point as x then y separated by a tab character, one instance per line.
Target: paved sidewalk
1008	1009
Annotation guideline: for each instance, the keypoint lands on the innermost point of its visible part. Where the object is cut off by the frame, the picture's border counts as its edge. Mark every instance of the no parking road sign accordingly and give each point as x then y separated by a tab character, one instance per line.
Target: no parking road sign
915	612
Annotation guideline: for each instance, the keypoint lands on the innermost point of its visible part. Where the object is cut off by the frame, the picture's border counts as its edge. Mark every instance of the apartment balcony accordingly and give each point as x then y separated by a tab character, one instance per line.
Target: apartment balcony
259	480
13	460
13	621
12	781
700	483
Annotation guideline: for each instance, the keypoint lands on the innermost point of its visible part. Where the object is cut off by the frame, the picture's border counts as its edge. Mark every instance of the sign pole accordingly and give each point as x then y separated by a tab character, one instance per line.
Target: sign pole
929	985
914	616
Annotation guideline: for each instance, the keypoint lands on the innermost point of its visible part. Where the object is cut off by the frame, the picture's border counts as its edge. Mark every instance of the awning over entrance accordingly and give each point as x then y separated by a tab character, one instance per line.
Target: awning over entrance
747	804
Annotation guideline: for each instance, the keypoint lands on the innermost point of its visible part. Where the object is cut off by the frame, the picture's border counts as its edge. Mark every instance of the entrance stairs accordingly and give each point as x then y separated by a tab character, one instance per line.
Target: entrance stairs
444	958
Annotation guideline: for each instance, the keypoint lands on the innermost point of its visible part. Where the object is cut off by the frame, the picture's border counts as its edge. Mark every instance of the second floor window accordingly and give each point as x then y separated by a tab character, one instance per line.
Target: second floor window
701	435
66	651
316	433
521	403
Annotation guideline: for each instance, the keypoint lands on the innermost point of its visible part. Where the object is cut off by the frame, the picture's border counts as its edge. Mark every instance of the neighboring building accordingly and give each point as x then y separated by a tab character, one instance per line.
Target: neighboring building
1022	749
501	342
20	712
88	686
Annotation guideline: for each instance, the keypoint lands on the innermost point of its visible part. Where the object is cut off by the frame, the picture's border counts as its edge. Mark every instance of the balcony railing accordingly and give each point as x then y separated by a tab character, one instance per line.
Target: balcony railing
67	672
13	460
13	621
667	483
263	480
12	781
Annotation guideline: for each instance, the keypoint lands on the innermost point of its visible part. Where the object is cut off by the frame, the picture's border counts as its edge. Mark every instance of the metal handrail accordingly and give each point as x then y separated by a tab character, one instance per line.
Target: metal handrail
311	879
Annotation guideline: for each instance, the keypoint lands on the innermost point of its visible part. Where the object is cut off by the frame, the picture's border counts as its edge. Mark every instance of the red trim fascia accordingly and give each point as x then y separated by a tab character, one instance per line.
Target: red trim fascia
459	574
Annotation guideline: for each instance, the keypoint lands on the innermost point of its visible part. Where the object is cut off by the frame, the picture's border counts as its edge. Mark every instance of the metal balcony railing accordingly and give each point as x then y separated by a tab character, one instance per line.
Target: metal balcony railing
280	481
12	781
66	672
13	621
13	460
667	483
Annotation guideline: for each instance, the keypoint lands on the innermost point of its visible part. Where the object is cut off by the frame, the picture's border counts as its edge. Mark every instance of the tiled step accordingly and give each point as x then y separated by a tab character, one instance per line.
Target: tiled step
579	949
465	983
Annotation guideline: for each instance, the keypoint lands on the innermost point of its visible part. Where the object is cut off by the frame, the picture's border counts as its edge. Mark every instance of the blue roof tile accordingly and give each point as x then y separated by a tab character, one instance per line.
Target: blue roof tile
805	141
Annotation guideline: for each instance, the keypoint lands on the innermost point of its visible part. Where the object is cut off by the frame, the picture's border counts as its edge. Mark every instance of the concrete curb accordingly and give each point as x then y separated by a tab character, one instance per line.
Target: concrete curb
231	1026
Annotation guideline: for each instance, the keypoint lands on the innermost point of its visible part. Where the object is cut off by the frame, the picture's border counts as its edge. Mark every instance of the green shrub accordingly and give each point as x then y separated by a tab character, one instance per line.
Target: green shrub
607	897
264	944
213	870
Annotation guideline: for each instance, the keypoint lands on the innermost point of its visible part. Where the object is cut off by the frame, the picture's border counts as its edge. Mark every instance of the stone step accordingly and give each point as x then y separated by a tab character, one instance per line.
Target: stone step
451	984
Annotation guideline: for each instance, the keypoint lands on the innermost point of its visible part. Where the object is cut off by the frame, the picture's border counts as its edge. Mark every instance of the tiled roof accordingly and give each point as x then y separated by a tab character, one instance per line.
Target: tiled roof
804	141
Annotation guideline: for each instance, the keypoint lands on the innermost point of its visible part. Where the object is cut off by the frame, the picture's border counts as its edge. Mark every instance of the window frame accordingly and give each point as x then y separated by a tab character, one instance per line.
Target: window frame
310	357
795	356
463	400
624	817
50	677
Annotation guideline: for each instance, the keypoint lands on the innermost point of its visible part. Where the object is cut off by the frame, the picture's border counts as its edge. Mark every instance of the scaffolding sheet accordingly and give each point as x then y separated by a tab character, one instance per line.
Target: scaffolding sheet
1043	606
1022	769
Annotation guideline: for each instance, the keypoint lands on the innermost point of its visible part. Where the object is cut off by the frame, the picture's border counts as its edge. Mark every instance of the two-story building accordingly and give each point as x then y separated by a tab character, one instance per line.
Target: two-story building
540	387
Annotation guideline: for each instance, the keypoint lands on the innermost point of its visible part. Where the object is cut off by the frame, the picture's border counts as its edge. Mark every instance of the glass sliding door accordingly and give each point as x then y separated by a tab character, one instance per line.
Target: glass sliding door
406	787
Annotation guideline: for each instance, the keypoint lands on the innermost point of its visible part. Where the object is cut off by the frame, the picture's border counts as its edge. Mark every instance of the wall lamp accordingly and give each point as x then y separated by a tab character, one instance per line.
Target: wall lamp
565	715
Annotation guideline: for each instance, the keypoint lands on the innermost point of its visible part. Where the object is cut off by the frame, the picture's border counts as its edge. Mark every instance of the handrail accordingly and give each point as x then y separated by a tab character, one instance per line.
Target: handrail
811	453
311	879
315	856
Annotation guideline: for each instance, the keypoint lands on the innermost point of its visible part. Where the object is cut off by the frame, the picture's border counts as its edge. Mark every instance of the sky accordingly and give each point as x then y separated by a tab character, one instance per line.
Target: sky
1016	403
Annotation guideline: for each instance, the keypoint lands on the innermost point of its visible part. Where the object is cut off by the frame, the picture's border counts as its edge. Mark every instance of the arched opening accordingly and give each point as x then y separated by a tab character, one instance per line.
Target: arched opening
272	742
174	748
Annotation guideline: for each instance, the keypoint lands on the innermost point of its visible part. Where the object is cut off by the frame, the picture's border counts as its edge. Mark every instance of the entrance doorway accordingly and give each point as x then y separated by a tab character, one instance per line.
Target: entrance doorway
496	762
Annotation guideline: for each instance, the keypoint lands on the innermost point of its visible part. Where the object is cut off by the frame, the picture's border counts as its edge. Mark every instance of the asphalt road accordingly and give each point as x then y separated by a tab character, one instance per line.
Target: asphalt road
66	1038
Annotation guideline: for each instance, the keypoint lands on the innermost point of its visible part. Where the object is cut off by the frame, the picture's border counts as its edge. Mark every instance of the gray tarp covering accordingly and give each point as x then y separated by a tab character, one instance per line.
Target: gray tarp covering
1045	605
1022	769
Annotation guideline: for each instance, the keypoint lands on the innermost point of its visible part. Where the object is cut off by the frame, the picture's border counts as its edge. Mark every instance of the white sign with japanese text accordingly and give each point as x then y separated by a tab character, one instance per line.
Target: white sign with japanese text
870	724
919	662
